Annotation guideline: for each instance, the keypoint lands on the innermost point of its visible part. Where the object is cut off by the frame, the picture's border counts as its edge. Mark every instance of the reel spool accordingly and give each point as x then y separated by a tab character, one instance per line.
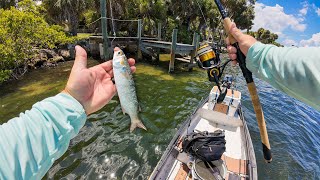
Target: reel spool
207	56
209	60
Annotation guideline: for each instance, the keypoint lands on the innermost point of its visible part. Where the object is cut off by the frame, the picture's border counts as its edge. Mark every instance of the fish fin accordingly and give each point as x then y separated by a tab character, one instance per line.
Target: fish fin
137	123
139	108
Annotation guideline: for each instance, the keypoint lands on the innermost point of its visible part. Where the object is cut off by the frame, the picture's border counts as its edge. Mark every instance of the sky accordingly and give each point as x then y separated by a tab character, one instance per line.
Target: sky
297	22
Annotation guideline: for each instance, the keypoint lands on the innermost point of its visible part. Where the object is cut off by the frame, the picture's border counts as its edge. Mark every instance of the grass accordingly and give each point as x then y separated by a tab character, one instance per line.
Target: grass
84	35
164	57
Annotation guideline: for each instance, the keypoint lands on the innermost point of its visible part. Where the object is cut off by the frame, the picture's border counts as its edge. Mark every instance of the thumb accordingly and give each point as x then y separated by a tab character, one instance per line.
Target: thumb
81	58
236	33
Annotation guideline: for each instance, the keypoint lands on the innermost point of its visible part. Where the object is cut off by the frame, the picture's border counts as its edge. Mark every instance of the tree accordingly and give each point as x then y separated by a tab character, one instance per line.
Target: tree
66	12
21	30
265	36
241	11
6	4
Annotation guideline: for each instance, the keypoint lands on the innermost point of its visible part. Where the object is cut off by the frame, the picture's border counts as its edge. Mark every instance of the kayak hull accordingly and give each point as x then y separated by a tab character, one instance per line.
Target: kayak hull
239	158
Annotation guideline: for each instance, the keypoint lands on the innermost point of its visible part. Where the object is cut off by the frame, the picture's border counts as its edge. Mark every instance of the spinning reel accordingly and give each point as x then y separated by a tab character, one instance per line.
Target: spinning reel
209	59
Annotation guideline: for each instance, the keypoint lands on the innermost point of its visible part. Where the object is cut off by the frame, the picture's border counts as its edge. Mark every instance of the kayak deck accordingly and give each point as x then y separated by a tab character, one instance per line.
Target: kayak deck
238	159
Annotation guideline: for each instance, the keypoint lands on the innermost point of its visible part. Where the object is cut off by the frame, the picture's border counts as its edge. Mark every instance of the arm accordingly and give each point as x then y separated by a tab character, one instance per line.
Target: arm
295	71
29	144
32	142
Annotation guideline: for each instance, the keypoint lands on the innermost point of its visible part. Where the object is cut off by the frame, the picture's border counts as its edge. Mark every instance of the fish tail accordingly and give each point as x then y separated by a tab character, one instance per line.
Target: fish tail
137	123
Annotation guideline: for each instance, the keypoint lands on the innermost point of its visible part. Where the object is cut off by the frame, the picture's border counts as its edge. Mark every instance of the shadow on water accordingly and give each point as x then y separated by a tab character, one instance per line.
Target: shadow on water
104	148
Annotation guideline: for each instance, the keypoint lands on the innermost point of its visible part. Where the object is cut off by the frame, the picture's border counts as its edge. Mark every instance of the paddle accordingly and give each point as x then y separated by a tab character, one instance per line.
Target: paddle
251	86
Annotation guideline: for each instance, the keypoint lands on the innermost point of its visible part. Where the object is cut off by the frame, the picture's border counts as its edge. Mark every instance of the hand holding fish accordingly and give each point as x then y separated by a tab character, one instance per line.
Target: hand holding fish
92	87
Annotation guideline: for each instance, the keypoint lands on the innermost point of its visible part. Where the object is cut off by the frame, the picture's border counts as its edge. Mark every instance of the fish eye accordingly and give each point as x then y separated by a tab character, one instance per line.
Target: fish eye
119	53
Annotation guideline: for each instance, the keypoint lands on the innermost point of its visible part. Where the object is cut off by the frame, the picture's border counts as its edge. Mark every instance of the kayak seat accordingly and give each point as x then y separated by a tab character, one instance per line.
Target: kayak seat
219	118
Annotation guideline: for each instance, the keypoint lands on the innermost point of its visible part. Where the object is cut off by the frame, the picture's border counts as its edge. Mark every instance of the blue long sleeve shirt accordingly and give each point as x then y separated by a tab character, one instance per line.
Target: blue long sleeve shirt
30	143
295	71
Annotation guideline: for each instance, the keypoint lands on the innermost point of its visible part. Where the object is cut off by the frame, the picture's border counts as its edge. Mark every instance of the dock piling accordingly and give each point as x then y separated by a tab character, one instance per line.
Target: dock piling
193	53
104	30
173	50
159	39
139	38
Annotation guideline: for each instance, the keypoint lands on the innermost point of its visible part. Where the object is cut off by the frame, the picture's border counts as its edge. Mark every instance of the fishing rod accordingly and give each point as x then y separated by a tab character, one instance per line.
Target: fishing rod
250	83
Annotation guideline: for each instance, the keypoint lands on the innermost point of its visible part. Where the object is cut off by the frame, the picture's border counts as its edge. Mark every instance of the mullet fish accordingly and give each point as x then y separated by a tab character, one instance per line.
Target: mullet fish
126	88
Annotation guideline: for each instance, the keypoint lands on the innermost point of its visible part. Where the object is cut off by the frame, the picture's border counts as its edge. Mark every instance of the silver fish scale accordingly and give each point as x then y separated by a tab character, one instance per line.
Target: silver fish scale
125	85
126	89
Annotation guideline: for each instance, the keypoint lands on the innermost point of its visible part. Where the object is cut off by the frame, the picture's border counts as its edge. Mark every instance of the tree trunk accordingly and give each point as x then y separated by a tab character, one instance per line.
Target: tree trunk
74	22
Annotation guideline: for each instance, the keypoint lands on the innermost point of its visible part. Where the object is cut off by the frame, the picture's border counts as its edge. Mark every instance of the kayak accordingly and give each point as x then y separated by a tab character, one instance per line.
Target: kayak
237	162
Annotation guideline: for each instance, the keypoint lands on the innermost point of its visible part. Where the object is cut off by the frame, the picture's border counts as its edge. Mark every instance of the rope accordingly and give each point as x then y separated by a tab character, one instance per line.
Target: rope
93	22
122	19
133	20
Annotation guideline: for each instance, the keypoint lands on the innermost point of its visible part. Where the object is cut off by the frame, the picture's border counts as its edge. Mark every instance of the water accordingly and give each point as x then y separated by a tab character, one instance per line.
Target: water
104	148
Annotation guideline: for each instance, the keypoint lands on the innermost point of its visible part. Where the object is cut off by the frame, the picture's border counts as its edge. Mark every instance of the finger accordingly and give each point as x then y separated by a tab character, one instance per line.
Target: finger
111	73
107	66
80	61
233	56
133	69
235	32
131	61
227	41
116	49
234	62
231	50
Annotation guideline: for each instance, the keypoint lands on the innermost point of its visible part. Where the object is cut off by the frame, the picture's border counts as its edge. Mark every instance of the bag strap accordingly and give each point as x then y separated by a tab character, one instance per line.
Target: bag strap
214	170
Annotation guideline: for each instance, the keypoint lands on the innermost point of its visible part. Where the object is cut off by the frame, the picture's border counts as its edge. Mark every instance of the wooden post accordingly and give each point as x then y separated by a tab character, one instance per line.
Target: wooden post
173	49
159	31
193	53
159	39
139	38
104	29
197	40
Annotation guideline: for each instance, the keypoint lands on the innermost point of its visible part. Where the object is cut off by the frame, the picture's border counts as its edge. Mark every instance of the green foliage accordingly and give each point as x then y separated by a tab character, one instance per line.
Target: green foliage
90	16
20	30
186	15
241	11
66	12
265	36
4	75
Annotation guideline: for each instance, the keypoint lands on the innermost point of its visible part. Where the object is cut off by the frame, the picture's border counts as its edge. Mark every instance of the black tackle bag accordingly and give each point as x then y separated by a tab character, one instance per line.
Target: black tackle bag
205	146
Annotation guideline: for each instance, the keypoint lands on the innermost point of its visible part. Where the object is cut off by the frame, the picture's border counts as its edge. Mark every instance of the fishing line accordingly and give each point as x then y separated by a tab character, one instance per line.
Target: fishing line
202	13
112	23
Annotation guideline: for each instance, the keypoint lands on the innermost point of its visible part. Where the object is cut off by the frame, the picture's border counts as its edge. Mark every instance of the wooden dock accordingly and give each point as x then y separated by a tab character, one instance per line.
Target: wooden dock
145	44
174	47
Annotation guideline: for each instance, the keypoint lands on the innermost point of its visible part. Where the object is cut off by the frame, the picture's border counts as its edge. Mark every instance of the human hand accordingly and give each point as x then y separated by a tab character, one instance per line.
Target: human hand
92	87
245	42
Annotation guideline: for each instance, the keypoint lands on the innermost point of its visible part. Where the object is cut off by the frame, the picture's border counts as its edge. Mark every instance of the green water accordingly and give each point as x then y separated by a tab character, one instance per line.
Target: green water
104	148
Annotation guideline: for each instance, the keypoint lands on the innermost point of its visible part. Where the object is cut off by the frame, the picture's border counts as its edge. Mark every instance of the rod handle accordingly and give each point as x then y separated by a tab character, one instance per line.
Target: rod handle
261	122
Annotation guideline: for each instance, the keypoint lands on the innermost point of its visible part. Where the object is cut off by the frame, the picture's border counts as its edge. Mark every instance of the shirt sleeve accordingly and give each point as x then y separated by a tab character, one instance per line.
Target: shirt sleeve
295	71
30	143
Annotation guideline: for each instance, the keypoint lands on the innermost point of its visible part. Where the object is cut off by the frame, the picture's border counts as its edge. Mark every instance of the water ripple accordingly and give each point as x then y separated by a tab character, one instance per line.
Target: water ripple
104	148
